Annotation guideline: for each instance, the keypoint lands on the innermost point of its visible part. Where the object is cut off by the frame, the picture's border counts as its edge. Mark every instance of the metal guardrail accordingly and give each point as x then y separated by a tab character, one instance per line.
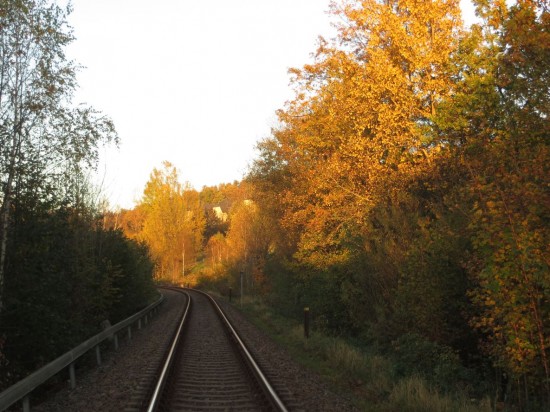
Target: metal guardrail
22	389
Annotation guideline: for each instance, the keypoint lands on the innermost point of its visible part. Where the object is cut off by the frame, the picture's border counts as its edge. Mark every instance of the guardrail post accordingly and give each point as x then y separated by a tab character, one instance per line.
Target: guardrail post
26	404
116	341
146	319
72	376
139	323
98	355
129	333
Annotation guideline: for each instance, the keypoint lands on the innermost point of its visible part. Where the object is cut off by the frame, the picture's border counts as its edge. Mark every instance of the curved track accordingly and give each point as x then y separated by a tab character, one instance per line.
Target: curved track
208	371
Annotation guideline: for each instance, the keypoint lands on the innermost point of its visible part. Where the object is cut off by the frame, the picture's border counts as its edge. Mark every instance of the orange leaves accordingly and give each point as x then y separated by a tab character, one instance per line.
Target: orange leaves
409	149
355	129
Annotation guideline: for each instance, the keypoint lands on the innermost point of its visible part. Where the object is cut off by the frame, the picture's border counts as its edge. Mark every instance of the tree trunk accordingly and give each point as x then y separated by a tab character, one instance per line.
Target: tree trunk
5	213
14	154
4	218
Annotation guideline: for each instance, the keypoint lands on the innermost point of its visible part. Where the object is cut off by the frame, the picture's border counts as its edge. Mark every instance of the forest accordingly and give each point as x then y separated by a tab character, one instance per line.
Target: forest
403	196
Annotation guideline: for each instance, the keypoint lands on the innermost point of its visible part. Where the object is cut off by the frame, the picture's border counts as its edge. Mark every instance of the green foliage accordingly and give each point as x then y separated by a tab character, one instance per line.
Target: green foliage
64	276
321	293
437	364
375	381
128	266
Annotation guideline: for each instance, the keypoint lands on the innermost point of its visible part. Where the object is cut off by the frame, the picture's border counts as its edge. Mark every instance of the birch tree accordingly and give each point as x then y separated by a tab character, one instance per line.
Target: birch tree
44	140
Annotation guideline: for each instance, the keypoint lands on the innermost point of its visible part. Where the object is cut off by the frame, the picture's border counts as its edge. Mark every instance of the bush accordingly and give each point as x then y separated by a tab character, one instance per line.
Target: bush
64	276
438	364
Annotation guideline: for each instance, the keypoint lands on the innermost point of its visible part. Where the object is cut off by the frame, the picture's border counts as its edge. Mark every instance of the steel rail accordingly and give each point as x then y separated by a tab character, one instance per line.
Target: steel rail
155	398
270	393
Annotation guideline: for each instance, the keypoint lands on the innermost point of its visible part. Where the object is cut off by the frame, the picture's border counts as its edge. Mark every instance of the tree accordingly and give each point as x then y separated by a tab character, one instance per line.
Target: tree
497	127
173	222
356	137
249	240
216	250
45	143
357	130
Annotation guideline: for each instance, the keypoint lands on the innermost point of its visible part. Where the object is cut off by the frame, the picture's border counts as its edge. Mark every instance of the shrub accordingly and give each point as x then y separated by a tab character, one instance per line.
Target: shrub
438	364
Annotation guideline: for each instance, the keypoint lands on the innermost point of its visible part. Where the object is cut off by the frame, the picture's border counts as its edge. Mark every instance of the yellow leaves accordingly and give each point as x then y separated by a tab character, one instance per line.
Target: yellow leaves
172	222
490	302
352	136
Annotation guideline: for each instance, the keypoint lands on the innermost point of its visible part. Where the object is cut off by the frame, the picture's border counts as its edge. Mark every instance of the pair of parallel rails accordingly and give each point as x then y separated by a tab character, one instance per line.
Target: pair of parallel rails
208	366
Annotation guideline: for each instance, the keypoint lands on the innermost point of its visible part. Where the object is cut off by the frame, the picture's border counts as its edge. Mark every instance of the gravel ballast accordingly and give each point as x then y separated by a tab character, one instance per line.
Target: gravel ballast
121	382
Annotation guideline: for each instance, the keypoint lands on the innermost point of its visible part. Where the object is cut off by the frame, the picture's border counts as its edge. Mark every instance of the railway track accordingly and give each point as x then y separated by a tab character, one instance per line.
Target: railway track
208	368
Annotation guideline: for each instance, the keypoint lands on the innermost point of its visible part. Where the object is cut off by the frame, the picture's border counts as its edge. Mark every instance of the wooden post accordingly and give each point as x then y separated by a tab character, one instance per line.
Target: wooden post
306	323
242	275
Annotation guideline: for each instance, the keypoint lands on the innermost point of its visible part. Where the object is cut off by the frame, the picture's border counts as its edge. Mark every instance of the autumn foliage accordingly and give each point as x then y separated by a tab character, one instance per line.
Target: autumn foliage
403	197
407	183
170	220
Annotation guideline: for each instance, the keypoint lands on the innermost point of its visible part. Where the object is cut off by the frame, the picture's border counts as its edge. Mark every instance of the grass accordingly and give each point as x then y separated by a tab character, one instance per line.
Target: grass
367	379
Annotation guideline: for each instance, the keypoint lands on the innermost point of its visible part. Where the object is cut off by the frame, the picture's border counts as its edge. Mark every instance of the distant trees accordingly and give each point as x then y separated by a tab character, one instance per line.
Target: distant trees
188	230
171	224
217	250
219	203
249	242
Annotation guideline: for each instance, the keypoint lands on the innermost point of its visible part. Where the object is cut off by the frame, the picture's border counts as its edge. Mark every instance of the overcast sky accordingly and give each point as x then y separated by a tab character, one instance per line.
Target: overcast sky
194	82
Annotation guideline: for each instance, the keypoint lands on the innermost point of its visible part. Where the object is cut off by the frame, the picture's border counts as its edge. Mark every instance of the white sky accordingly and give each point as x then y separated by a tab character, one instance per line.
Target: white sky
194	82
